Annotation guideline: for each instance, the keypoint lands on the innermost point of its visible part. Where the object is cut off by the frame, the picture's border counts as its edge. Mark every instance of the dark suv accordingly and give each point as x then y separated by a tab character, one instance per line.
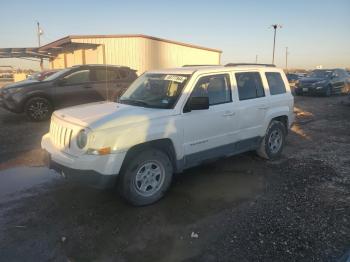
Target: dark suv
68	87
324	82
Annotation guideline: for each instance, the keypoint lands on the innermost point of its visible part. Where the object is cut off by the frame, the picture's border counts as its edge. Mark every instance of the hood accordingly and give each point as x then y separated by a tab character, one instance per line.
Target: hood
312	79
109	114
23	83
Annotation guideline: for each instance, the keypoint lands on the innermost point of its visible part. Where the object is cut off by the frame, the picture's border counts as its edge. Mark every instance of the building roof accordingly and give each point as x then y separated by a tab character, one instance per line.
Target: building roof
68	39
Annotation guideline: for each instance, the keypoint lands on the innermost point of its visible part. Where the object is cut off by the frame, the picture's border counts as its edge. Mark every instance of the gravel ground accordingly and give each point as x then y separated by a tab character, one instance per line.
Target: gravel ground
237	209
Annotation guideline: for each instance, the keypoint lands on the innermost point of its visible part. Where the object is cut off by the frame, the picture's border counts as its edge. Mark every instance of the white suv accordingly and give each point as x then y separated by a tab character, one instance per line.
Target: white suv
170	120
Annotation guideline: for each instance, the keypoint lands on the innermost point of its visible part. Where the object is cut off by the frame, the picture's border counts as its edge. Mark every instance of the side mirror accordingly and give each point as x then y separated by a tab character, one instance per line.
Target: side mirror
197	103
61	82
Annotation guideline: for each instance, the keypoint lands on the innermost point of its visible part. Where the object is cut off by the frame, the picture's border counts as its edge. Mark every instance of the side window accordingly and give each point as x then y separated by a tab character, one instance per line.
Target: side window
78	77
103	75
216	87
276	83
249	85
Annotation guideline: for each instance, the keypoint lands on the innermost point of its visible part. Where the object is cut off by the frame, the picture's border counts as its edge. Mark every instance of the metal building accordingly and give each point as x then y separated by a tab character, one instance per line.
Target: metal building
139	52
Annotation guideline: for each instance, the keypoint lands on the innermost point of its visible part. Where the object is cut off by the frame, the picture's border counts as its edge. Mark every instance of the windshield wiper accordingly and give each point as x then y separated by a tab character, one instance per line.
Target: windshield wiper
134	102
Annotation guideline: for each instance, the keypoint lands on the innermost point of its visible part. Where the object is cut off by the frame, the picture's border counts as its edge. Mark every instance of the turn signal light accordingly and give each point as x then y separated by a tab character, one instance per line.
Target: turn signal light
104	151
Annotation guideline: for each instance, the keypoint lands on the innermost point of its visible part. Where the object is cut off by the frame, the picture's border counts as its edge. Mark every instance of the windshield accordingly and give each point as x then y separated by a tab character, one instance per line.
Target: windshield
321	74
57	74
155	90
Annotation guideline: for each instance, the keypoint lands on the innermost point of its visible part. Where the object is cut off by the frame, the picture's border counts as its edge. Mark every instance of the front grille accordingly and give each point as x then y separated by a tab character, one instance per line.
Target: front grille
60	136
305	84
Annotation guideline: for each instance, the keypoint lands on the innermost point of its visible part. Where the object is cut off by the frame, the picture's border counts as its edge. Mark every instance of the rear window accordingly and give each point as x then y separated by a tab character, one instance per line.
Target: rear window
276	83
123	73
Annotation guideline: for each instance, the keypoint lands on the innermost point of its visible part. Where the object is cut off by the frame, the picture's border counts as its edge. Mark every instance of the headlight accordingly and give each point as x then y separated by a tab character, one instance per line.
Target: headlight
82	139
320	82
13	90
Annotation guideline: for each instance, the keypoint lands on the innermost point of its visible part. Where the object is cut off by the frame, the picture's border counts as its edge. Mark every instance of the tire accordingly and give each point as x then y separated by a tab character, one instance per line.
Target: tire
273	142
146	178
38	109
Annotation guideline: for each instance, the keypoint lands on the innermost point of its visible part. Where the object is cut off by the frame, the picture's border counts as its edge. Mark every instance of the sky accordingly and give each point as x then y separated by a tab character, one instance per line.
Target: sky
315	32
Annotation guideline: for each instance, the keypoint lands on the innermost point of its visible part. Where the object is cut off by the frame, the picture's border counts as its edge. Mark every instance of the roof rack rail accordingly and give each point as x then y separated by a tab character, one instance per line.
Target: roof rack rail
198	65
249	64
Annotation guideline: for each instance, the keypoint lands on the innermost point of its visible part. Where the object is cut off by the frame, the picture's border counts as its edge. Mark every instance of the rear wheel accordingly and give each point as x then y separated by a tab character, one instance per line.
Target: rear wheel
273	142
146	178
38	109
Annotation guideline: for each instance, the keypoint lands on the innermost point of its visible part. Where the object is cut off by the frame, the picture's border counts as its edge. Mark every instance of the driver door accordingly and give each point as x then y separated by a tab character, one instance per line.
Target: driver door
210	133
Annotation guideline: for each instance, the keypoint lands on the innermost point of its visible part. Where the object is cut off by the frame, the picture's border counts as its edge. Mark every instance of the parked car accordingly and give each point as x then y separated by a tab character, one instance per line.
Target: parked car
168	121
323	82
40	76
70	86
292	79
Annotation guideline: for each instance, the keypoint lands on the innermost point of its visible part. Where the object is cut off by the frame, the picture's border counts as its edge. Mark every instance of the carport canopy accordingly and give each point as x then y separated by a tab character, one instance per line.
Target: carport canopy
24	52
44	52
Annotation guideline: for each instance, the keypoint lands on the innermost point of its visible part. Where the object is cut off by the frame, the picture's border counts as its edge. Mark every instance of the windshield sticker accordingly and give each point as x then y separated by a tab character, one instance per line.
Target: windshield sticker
175	78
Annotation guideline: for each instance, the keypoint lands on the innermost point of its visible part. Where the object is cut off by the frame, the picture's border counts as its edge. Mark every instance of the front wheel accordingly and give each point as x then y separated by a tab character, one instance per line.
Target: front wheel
146	178
273	142
38	109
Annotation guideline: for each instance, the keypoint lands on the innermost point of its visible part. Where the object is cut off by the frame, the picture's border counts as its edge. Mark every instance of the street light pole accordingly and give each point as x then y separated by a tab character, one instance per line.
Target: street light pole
275	26
39	33
287	58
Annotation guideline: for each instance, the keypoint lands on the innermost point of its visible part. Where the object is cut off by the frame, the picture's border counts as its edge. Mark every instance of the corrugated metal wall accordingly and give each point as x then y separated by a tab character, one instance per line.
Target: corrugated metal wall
141	54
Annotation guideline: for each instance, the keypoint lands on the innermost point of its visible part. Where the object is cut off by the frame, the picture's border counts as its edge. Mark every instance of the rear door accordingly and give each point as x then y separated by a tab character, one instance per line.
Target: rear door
110	83
74	88
252	105
119	85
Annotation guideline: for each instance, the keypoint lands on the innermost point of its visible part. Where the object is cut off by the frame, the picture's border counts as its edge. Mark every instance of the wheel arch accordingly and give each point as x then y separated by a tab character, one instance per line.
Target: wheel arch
36	95
283	119
165	145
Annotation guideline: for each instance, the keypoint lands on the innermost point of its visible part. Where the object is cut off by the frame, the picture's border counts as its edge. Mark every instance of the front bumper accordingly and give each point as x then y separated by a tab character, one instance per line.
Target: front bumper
310	90
10	105
99	171
83	177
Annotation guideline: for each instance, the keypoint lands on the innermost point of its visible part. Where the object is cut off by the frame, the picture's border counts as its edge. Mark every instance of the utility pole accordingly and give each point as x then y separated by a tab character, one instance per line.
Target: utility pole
256	59
275	27
287	58
39	33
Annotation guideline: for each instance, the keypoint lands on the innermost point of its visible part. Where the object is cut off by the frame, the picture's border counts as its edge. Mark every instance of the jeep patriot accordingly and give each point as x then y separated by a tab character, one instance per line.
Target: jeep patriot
170	120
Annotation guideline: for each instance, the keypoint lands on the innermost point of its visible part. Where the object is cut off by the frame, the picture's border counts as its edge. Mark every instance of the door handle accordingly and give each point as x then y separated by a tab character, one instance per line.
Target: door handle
263	108
87	86
228	113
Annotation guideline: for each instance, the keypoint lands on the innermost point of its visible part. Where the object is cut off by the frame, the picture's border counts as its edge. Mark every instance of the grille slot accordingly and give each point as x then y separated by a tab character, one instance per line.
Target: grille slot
60	135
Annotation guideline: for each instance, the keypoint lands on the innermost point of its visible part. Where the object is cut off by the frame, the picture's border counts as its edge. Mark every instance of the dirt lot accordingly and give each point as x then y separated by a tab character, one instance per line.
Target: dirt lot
237	209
